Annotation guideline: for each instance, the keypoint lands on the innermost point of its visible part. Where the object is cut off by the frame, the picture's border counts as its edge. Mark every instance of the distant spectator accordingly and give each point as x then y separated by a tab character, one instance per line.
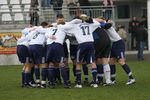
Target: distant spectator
73	9
144	21
122	32
34	16
45	3
84	4
57	6
141	36
107	13
34	3
133	25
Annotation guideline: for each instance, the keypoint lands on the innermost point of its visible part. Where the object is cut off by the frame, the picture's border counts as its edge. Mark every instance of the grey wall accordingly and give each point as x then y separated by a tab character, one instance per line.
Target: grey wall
9	60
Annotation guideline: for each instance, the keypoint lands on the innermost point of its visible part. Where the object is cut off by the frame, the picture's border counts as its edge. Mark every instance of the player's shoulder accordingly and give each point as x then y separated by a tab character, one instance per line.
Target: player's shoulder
25	30
50	29
41	29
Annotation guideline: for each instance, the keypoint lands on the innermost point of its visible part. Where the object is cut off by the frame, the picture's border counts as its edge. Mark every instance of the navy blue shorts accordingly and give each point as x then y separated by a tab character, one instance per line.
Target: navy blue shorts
55	53
118	50
37	54
65	50
85	53
73	52
23	53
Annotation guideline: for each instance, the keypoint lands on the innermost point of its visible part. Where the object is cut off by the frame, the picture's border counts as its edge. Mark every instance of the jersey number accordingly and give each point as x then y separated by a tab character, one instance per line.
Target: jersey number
85	30
54	31
36	35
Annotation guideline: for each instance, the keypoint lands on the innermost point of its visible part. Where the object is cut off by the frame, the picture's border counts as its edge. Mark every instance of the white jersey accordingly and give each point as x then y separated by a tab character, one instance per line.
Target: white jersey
24	38
57	32
54	24
81	30
38	36
113	35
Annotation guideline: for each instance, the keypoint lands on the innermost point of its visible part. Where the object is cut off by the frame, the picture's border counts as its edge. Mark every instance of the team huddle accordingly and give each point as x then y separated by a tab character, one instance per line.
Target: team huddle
93	42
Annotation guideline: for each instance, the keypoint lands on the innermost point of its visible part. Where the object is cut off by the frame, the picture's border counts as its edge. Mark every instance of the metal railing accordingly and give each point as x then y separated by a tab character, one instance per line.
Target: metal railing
23	16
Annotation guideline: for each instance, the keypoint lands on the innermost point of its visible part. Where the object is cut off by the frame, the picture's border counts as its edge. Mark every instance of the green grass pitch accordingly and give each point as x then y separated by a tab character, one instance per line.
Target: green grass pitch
10	87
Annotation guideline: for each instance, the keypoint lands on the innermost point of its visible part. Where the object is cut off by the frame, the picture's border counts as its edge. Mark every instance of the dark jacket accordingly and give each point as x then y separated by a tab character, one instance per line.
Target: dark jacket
144	23
133	25
84	3
57	4
141	34
34	3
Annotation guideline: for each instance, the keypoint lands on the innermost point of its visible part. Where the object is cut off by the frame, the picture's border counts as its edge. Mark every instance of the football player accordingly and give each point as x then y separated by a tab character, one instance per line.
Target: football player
23	55
82	30
38	52
55	54
117	53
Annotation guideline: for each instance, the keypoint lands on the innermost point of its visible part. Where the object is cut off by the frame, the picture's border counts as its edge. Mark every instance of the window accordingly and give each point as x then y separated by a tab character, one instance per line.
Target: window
123	11
144	12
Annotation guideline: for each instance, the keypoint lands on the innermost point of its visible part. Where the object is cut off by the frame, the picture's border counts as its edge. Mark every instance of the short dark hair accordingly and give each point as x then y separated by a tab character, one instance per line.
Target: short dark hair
101	17
90	20
60	16
44	24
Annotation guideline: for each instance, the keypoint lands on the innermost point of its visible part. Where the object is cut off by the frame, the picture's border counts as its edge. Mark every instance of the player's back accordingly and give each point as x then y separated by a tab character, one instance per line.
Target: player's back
113	35
38	36
83	31
57	32
24	38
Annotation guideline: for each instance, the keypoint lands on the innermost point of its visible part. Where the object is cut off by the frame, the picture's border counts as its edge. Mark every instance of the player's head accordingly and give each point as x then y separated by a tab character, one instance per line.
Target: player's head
143	18
30	25
89	20
101	19
44	24
84	17
134	18
60	19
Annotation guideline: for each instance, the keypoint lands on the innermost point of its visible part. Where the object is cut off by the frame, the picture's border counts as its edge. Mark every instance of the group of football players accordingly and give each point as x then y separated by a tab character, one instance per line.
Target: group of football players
93	41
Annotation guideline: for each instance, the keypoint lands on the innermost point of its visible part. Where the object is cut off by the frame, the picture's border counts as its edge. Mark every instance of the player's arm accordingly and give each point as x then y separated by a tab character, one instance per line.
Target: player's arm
53	37
26	37
106	25
25	31
95	25
67	28
75	21
49	35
